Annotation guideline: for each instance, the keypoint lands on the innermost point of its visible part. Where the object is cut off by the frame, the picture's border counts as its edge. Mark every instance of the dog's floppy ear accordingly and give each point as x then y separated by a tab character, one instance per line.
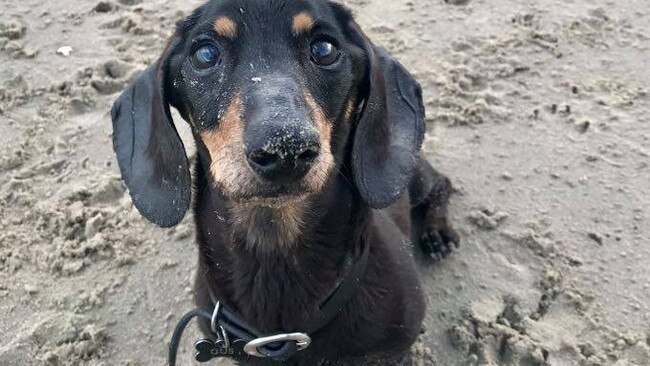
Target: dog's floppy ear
149	150
390	128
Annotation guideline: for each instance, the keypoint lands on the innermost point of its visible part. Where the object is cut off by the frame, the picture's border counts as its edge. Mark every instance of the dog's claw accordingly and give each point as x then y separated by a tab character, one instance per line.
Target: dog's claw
439	242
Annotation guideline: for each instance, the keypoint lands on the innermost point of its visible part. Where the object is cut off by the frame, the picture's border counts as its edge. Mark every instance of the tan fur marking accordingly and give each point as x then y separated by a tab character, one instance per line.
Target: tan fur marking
320	171
225	27
229	169
302	23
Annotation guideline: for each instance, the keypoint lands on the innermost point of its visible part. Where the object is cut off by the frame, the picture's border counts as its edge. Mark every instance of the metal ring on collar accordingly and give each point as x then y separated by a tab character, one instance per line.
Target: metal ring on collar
302	341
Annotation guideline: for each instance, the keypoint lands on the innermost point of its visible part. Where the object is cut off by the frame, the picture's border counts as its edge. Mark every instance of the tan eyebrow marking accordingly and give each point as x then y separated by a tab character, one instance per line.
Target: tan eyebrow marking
302	23
225	27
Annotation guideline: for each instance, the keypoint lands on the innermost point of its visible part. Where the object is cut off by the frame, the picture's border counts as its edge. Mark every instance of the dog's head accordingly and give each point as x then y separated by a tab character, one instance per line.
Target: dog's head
279	95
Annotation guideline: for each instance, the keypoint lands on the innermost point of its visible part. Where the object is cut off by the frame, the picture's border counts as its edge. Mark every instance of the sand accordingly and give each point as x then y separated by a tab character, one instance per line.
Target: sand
537	111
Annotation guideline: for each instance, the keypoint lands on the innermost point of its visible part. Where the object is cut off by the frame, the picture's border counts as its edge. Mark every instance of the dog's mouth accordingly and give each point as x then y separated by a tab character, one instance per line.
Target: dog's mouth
274	202
273	196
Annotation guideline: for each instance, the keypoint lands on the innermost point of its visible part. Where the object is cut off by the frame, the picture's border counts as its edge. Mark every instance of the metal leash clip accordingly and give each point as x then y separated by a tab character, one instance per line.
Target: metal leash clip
217	329
207	349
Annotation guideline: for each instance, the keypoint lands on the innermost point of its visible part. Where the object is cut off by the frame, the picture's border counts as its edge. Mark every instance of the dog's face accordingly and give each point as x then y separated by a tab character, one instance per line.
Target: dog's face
270	88
279	95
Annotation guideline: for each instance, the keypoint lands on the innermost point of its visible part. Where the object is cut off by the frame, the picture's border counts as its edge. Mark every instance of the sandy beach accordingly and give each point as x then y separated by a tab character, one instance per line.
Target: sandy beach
537	110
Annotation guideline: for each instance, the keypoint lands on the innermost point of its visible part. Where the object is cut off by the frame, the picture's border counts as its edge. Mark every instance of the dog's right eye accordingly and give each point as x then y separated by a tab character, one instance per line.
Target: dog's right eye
324	53
205	56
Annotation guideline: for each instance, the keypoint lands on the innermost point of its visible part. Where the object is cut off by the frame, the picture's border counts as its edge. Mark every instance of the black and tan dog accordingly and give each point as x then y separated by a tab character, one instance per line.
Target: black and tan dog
308	140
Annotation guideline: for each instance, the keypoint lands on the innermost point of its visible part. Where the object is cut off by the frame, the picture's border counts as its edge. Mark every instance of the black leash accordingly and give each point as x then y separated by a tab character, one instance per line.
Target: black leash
234	337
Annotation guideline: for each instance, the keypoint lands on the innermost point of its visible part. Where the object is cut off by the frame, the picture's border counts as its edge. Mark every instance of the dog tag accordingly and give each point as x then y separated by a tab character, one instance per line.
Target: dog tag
207	349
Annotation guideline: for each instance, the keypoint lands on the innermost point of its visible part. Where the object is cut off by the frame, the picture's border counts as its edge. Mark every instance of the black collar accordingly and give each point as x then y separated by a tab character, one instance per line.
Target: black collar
234	337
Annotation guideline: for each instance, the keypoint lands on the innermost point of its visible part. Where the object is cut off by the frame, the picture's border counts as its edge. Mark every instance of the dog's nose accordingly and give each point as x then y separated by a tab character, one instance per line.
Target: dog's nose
283	163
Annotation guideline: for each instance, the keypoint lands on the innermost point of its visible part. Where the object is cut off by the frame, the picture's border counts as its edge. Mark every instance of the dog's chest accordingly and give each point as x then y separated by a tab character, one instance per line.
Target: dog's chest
277	292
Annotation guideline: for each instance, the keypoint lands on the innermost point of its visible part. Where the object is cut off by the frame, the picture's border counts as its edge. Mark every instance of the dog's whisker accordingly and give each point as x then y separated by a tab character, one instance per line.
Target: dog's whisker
339	172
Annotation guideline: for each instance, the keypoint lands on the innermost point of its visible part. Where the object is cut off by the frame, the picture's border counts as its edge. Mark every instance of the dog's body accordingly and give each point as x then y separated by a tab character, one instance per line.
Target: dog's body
300	162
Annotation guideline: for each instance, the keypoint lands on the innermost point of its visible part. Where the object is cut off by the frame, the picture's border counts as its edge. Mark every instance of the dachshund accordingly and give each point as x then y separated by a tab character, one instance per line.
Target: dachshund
308	142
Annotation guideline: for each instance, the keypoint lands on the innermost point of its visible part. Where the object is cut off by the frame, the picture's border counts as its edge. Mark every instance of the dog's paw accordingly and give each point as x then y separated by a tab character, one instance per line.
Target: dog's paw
439	240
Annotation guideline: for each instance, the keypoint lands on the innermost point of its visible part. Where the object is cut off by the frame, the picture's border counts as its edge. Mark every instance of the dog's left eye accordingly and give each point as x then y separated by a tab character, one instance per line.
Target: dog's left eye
324	53
205	56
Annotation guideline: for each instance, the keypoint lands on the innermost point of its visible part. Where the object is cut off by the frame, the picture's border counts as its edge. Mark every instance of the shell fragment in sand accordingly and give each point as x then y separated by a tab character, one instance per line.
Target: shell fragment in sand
64	51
